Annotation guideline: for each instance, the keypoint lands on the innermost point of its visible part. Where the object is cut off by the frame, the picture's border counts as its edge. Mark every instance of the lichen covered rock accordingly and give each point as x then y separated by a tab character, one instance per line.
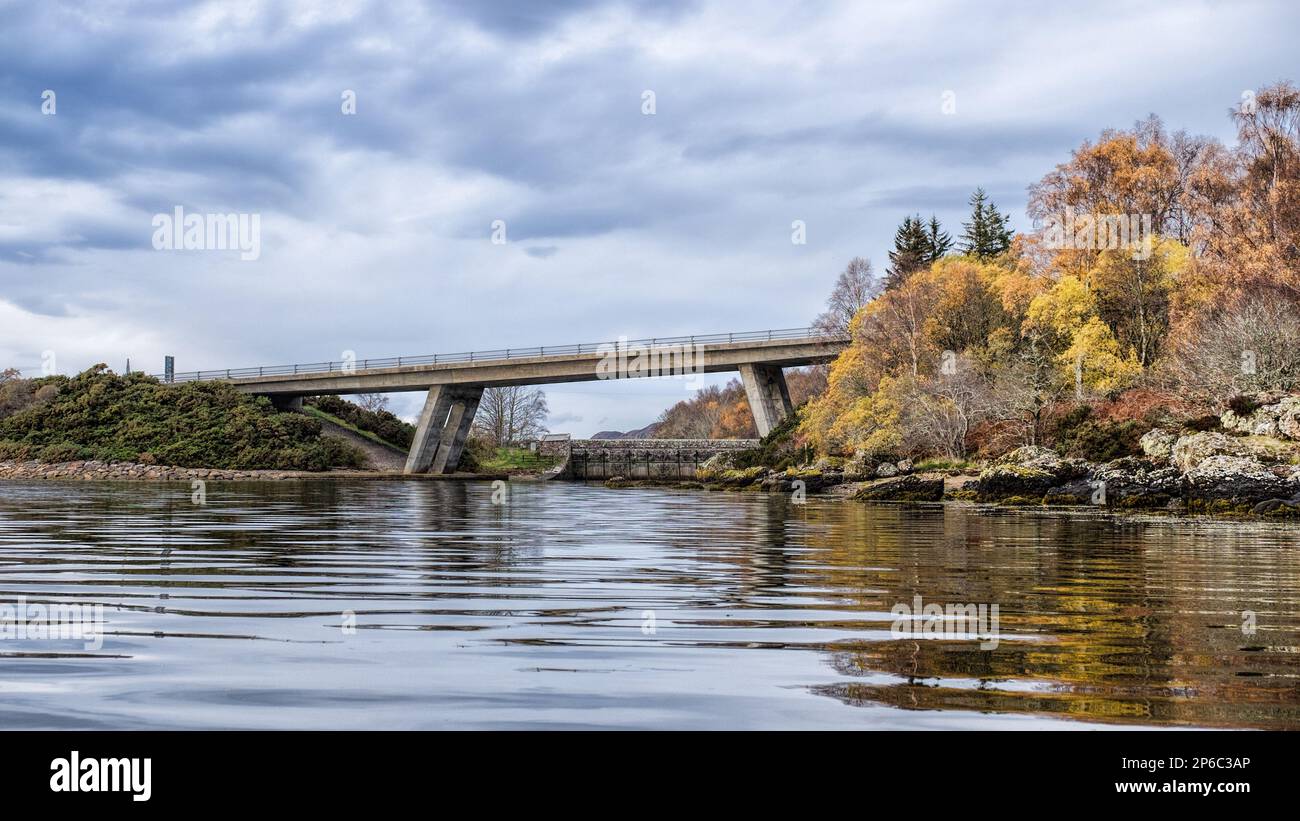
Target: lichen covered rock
1138	483
1192	449
1235	484
909	488
1158	443
1028	472
1276	416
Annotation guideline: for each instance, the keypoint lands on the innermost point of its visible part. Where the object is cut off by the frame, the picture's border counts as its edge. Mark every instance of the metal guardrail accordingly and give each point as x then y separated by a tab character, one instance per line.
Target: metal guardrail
343	367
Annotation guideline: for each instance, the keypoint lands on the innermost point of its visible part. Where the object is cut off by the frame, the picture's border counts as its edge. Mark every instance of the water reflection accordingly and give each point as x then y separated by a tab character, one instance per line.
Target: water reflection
578	606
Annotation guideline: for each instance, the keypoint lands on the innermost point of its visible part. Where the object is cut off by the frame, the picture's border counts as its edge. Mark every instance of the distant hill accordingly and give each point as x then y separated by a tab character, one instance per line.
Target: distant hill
647	432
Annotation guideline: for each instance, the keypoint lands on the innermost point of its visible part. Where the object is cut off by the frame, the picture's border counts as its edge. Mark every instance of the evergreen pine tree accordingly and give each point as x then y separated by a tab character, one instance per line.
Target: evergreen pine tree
938	240
988	233
911	251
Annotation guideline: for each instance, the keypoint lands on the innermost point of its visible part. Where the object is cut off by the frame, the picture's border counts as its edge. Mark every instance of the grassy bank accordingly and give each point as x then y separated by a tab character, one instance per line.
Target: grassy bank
314	411
377	425
507	460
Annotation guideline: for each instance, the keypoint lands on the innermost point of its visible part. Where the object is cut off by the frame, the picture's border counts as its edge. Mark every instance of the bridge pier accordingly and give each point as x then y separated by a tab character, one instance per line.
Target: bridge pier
286	403
443	428
769	398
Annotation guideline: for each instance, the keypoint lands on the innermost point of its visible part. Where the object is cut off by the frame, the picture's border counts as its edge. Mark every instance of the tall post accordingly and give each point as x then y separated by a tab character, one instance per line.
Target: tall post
769	398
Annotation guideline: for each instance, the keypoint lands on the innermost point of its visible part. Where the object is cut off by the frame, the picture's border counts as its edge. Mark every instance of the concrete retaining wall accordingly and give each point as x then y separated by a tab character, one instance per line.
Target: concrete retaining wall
644	458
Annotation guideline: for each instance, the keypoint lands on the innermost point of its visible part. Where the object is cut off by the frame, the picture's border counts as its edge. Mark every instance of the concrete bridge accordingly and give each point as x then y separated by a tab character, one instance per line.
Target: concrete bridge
455	382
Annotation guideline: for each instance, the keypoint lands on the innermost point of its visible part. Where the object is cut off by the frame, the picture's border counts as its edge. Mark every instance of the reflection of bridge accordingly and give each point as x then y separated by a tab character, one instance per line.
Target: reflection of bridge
455	382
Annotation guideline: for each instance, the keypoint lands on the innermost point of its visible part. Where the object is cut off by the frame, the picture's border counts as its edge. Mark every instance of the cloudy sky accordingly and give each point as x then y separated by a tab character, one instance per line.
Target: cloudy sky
376	227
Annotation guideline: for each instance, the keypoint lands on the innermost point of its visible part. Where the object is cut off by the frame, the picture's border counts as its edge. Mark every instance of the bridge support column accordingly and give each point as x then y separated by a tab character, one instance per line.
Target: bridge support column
769	398
443	428
287	403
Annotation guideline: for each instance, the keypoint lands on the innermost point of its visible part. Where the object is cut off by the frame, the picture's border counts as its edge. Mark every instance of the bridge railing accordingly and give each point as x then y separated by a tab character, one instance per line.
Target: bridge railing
352	366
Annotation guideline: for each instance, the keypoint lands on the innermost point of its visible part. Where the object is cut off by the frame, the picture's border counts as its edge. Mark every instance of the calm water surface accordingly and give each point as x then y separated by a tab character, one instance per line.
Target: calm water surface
537	613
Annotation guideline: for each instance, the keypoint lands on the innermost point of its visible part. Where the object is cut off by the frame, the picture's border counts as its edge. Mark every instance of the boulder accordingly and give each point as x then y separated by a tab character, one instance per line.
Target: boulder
886	469
1192	449
1134	482
1158	443
736	477
1028	473
860	467
1275	416
909	488
904	465
1077	492
1236	484
715	465
1278	509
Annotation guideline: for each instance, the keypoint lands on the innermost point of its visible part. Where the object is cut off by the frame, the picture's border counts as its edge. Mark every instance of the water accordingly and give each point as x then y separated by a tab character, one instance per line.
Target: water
538	613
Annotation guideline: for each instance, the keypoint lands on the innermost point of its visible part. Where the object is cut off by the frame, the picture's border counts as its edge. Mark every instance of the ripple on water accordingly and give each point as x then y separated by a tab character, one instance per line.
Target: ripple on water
355	604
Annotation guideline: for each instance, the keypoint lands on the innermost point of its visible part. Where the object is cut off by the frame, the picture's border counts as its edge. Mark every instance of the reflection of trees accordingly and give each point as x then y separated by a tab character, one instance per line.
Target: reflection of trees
1101	618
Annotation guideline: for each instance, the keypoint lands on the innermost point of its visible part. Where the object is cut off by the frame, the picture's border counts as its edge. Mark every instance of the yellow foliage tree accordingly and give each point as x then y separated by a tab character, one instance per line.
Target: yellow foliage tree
1096	363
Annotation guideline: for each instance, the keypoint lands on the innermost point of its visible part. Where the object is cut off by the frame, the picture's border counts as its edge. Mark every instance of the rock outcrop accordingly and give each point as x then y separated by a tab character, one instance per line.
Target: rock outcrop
1132	482
1158	443
1028	473
1189	451
1236	484
1274	416
909	488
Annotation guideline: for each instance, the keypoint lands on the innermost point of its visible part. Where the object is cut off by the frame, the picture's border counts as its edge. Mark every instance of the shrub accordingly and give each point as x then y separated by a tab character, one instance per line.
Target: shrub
1243	405
1078	435
778	450
381	423
16	452
1203	423
476	451
112	418
60	452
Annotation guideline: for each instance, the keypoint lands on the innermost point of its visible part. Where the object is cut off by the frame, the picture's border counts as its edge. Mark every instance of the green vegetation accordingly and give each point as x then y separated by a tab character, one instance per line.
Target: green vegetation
135	418
380	425
505	460
778	450
312	410
952	467
1079	435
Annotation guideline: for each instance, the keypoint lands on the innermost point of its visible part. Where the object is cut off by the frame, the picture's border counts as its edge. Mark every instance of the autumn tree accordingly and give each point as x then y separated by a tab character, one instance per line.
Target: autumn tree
1250	344
1133	295
856	286
1249	198
945	407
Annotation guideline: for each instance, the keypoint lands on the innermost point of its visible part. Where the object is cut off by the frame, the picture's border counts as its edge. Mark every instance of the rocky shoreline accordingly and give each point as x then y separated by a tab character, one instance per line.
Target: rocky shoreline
1251	466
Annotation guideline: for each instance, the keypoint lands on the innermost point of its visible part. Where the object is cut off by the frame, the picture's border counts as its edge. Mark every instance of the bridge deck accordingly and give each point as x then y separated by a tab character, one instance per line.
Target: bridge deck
537	365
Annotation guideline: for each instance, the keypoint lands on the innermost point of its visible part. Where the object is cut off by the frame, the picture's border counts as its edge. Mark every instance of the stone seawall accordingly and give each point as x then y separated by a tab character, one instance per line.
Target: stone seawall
92	470
131	471
599	459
